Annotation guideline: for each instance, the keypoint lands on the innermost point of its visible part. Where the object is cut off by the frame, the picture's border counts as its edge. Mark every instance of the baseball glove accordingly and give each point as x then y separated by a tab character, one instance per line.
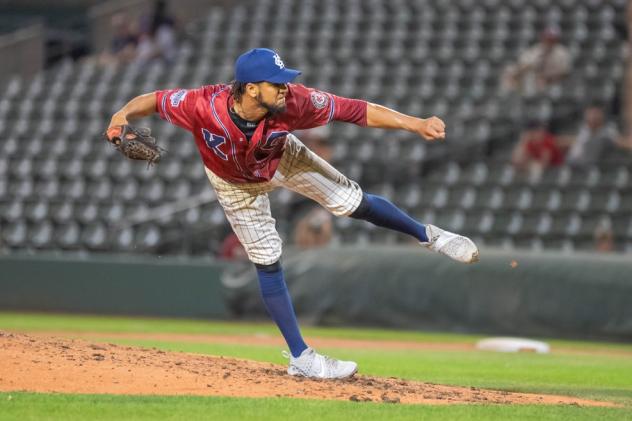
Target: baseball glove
135	143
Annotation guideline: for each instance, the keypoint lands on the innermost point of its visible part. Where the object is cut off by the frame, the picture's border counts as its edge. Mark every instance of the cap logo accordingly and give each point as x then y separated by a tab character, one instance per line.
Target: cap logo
278	61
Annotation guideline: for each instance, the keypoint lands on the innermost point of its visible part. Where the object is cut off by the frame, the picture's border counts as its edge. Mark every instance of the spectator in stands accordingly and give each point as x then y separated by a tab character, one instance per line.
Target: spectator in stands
158	36
537	149
146	51
231	249
594	136
125	40
314	229
604	237
539	67
123	44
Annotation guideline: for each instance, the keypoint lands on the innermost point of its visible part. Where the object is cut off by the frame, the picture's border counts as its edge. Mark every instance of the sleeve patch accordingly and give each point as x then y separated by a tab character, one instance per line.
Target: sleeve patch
319	100
178	97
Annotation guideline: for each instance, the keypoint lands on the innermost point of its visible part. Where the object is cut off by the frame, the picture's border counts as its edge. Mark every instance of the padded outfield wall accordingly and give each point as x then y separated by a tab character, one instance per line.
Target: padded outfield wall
546	294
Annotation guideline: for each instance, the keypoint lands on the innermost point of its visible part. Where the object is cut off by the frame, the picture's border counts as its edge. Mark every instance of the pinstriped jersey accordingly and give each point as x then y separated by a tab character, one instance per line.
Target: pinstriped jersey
224	148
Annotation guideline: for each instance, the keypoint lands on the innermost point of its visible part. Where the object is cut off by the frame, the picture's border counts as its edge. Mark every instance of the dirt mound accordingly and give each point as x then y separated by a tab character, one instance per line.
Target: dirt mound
51	364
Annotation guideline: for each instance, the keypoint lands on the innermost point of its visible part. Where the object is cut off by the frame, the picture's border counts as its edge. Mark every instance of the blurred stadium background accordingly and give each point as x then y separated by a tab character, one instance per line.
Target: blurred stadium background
67	196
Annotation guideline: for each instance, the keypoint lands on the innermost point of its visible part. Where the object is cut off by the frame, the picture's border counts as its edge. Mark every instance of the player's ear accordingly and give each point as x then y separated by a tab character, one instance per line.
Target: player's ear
252	90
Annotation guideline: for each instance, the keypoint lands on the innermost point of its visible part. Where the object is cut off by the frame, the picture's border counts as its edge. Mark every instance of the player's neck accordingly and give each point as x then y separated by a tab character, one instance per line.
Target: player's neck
249	110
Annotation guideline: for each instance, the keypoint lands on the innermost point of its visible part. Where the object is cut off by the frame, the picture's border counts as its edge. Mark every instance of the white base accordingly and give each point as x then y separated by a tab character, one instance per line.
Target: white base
513	345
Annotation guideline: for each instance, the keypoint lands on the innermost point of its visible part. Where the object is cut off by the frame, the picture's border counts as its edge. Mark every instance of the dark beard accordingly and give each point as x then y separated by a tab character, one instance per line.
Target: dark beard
271	109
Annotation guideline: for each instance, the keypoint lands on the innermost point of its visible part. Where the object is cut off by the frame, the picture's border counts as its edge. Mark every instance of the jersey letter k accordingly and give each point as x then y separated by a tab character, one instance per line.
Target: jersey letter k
214	141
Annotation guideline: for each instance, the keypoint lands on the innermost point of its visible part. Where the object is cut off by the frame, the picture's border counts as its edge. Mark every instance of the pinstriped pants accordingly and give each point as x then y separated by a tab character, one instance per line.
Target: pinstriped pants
247	206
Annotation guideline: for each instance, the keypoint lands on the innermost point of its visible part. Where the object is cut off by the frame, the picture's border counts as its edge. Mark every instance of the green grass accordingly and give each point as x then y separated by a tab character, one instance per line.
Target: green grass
600	376
44	322
27	406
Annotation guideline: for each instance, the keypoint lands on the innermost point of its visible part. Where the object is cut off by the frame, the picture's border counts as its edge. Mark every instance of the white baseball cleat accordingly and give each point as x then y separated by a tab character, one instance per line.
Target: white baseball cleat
316	366
455	246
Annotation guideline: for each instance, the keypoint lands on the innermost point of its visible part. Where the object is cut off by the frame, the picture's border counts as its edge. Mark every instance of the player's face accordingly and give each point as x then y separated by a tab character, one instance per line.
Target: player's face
271	96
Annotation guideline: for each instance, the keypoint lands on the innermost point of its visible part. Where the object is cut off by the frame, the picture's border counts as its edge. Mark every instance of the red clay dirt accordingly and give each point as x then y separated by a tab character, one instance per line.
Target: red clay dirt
53	364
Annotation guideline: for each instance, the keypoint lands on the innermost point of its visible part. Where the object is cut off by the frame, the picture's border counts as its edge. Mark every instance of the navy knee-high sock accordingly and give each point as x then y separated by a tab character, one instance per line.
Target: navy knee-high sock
279	305
383	213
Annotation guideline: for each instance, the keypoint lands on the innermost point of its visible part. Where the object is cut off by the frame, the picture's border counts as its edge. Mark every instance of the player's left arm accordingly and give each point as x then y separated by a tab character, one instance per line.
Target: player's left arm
382	117
317	108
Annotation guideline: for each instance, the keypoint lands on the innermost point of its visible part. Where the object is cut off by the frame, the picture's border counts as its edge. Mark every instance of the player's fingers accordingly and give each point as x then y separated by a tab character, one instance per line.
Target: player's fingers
113	134
432	135
437	126
439	131
438	123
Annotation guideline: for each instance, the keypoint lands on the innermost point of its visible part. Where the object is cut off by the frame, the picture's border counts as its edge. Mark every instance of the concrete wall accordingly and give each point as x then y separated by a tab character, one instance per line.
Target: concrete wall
545	294
22	52
112	285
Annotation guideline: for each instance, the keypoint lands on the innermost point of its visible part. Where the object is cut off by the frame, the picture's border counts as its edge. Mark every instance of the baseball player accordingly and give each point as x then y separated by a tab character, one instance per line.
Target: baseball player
243	132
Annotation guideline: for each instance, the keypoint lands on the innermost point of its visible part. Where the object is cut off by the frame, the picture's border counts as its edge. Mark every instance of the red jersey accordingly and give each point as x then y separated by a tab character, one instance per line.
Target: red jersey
225	149
545	147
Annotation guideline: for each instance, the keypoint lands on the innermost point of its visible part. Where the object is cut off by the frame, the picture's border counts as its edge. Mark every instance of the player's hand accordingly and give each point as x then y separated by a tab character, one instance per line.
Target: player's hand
113	134
113	131
432	128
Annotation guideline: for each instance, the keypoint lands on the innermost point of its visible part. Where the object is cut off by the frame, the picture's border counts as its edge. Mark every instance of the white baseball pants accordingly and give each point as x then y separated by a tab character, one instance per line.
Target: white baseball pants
247	206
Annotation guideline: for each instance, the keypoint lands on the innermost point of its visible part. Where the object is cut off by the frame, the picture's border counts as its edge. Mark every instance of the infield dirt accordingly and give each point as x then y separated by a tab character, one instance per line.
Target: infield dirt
53	364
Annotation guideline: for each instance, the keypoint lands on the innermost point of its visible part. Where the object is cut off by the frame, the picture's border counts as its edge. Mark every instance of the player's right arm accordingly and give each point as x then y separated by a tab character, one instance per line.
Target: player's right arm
141	106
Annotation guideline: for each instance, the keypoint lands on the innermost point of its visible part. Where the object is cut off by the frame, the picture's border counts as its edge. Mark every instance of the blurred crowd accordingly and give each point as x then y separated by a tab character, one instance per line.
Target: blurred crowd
539	67
539	148
541	145
598	130
151	38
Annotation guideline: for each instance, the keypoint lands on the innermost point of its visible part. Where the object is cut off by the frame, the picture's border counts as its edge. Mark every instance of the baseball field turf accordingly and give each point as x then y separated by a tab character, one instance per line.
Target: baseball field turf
588	370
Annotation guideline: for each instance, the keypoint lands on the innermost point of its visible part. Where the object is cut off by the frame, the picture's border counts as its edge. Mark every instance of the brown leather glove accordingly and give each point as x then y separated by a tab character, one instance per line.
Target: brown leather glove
135	143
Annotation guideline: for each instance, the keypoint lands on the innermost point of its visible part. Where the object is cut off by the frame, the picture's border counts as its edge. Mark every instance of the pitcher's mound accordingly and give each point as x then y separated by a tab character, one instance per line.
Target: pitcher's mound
49	364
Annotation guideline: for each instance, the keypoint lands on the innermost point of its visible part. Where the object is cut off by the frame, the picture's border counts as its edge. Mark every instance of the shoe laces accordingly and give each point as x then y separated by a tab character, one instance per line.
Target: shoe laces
433	235
330	362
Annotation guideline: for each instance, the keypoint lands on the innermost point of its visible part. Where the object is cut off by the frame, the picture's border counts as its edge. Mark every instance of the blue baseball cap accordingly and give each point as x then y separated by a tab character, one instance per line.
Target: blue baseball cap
262	64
